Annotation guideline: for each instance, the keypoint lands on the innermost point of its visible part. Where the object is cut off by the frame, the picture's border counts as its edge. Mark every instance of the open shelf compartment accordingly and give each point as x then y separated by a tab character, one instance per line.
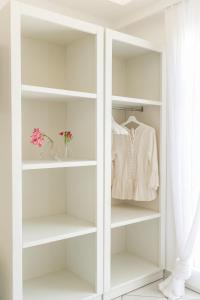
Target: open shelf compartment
52	117
136	69
57	56
57	209
130	259
127	267
60	270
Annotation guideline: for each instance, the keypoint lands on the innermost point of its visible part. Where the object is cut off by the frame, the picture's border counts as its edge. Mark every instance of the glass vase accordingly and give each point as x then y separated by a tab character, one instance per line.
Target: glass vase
66	152
47	152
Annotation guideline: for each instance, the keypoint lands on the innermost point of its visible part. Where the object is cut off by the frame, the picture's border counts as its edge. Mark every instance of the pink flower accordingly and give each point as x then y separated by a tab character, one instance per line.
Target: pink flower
37	137
67	136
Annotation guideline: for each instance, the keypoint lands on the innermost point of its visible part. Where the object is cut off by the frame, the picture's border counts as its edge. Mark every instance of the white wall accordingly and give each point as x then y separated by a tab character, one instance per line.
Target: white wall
151	28
61	7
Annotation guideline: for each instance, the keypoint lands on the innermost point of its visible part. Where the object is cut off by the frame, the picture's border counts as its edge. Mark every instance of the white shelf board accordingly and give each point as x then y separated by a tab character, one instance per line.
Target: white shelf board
49	94
43	230
125	214
35	28
38	165
53	27
126	101
126	46
61	285
126	267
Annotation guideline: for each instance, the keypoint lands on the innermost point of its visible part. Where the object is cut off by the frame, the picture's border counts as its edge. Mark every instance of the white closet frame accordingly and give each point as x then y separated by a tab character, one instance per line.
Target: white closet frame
12	89
127	40
12	167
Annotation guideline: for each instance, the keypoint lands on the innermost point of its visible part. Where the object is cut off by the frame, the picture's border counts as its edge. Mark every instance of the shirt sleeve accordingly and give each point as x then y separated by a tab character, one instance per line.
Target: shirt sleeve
153	162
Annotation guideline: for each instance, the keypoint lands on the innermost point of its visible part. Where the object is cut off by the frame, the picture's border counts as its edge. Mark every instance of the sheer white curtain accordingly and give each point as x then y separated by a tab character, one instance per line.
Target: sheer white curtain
183	100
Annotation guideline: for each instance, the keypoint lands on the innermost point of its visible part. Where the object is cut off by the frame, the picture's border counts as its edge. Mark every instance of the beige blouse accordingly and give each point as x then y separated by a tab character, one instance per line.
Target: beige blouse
135	165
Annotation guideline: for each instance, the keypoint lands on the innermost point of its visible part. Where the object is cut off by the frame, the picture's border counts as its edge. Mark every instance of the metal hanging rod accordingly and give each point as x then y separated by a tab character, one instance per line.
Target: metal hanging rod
128	108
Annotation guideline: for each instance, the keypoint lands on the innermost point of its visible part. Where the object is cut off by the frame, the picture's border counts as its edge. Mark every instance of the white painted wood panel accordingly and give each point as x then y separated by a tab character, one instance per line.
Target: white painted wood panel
118	76
49	197
55	19
126	101
61	285
38	165
133	285
81	65
144	77
48	31
40	58
43	93
123	215
81	119
132	45
81	202
107	161
6	222
50	229
82	258
118	240
16	209
127	267
143	240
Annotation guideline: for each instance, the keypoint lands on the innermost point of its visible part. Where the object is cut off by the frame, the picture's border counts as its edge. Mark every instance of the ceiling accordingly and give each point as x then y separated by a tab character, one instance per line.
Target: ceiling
107	11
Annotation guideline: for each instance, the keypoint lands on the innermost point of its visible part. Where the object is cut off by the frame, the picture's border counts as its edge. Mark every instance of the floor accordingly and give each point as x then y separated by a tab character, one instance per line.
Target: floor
150	292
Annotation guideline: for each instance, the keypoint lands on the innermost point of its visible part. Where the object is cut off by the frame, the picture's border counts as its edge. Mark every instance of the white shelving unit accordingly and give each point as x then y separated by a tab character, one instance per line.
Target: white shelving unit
52	215
133	230
53	242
